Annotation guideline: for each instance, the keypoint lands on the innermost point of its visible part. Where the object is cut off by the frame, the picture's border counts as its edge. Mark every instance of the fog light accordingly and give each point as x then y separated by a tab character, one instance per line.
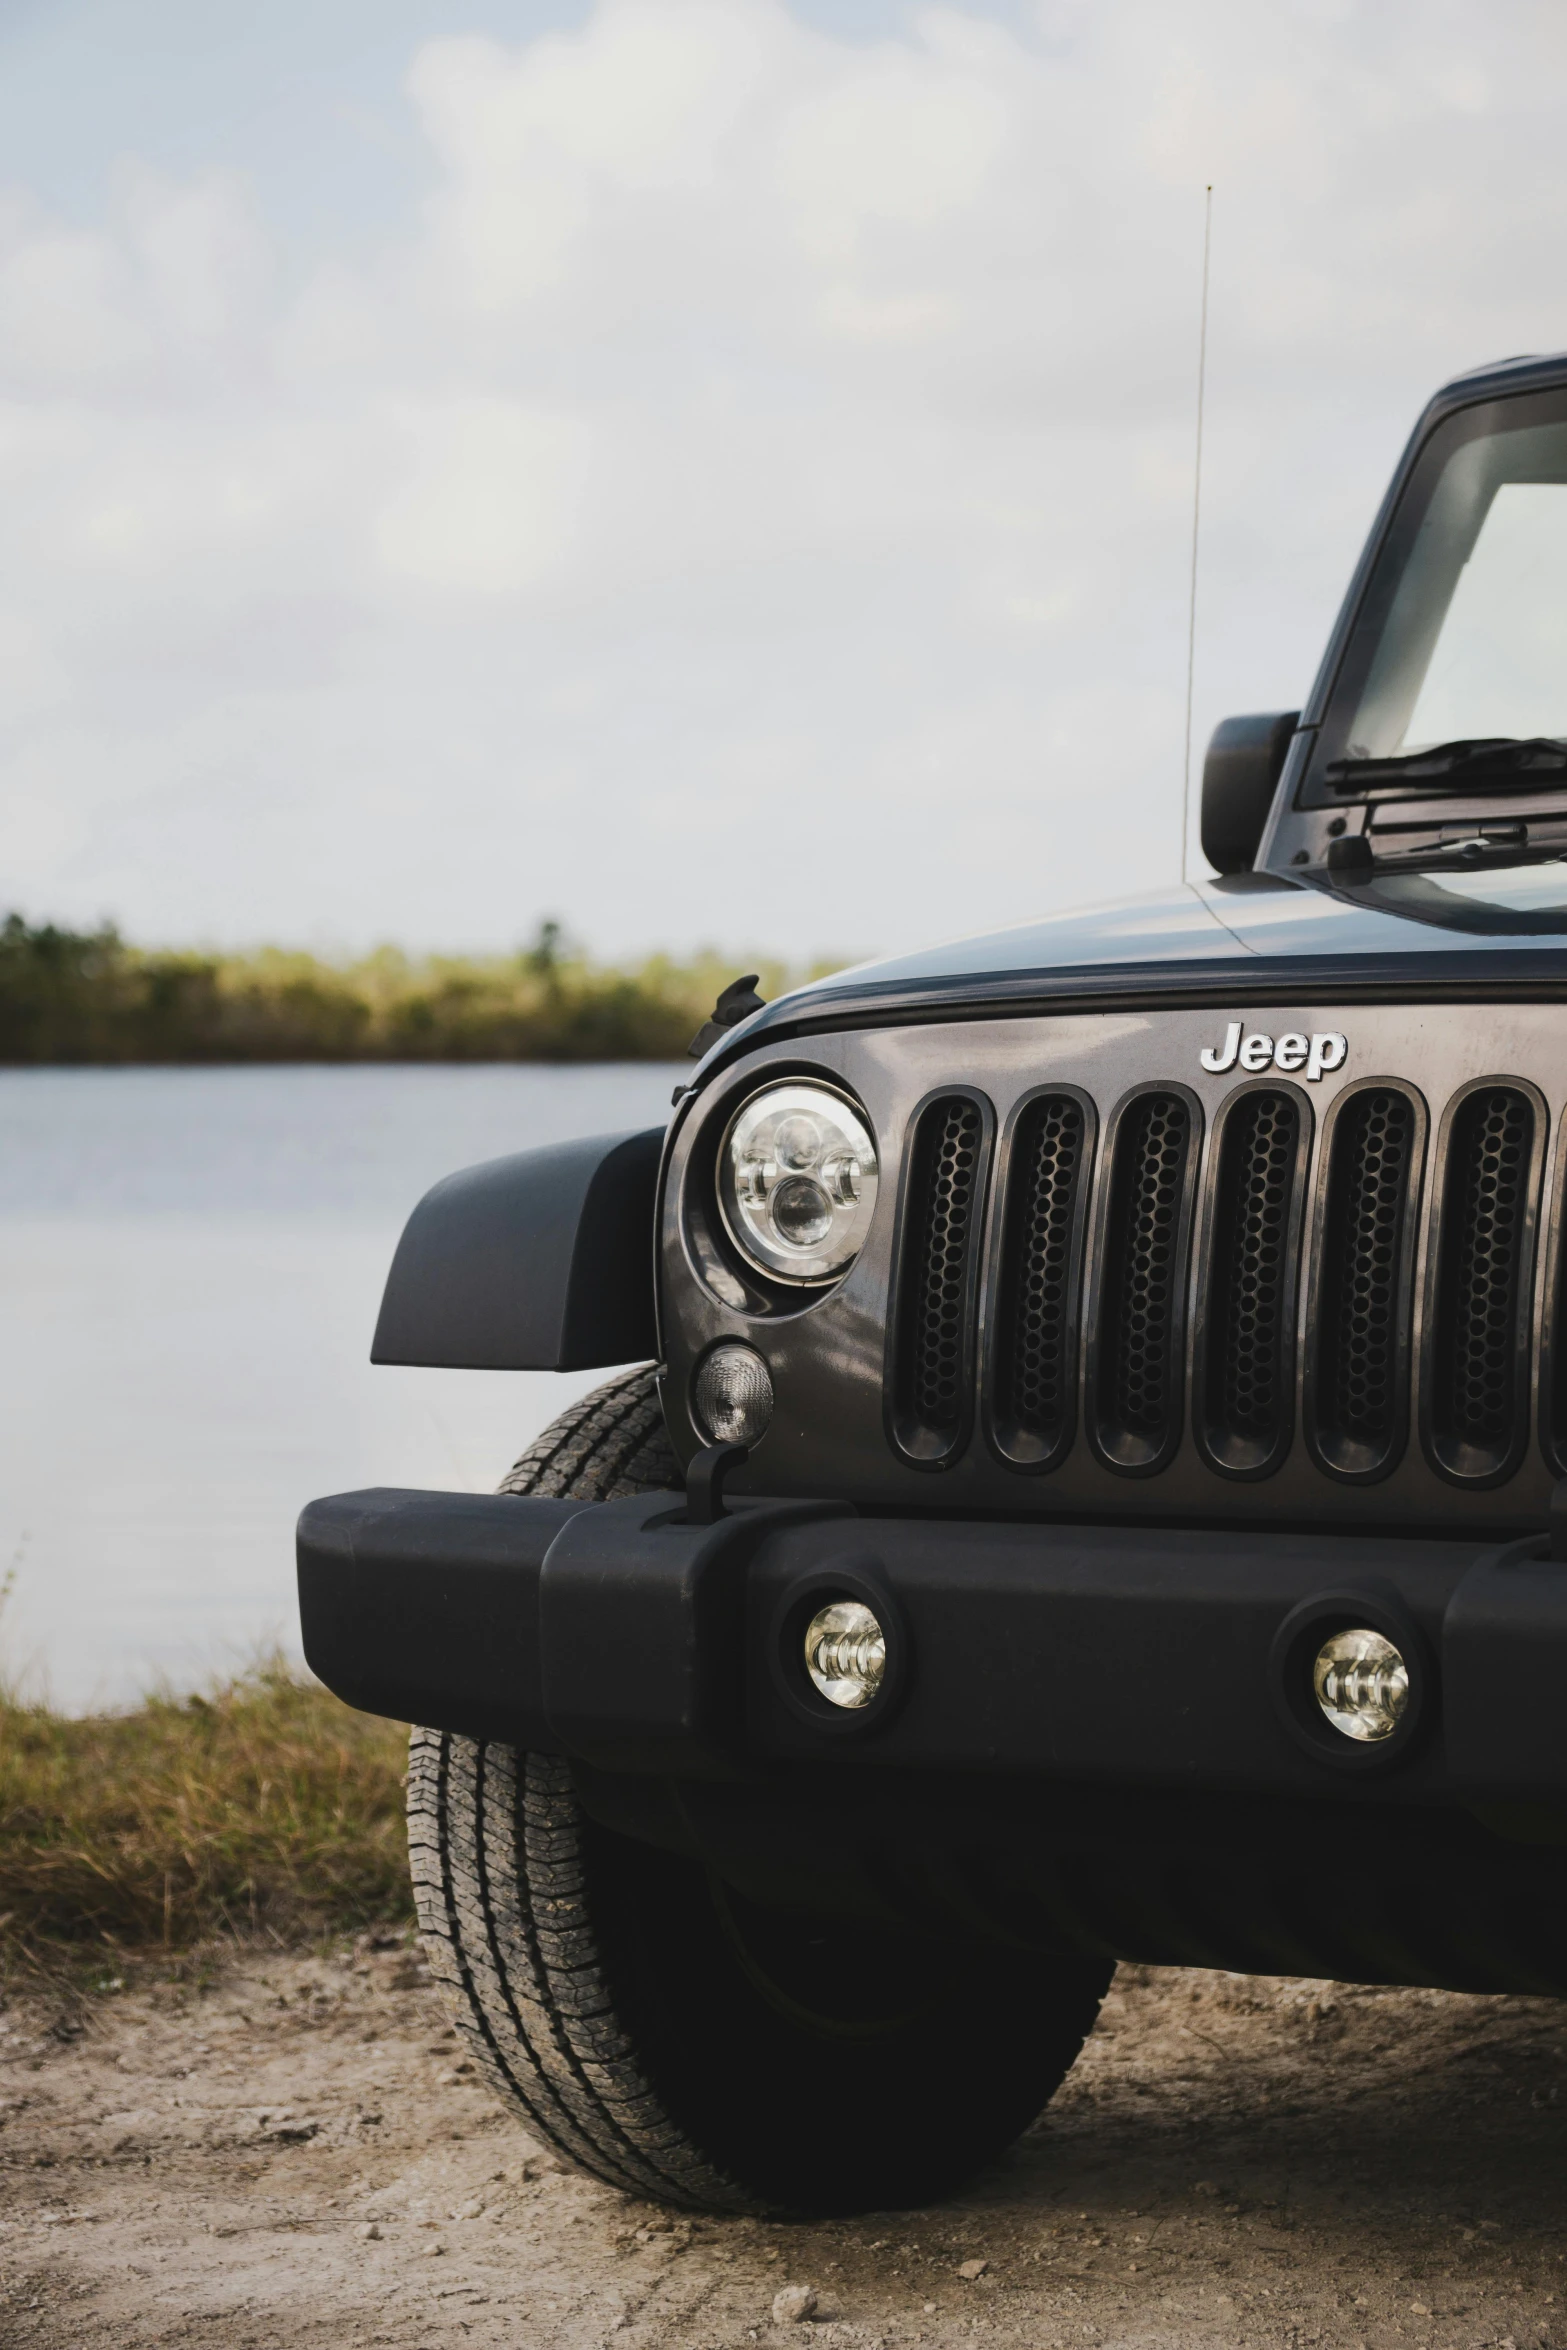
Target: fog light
733	1395
1361	1684
846	1653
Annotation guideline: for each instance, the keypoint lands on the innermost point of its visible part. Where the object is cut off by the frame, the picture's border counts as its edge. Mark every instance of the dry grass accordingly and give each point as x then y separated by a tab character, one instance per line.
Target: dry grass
264	1808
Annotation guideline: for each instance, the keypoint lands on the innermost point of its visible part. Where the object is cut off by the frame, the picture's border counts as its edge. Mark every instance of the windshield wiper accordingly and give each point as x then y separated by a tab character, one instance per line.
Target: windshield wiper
1477	761
1362	856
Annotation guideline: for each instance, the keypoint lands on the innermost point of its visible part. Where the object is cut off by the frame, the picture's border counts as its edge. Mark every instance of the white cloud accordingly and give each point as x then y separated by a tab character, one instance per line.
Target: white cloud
65	322
751	500
491	498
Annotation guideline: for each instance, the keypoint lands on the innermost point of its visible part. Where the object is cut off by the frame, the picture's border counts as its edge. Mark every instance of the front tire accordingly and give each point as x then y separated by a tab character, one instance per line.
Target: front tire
675	2040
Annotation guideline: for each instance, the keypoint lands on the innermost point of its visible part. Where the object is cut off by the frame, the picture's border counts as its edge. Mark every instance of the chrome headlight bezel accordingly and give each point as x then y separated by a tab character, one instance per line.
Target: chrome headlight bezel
826	1179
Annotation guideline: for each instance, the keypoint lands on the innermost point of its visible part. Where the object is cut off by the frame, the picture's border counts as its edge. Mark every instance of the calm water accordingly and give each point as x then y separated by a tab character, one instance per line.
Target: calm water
191	1263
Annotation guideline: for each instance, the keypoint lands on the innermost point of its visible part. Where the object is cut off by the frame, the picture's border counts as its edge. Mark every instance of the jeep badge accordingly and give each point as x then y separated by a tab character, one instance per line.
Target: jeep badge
1315	1054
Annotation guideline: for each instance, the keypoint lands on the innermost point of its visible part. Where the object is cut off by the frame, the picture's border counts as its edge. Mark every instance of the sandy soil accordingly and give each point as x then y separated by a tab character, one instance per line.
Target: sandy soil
296	2154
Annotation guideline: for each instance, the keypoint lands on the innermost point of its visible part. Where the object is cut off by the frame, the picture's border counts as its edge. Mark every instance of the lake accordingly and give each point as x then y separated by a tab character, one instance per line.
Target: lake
191	1262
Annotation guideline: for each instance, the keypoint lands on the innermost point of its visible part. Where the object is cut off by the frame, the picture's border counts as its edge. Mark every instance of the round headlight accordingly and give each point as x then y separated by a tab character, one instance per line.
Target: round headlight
797	1182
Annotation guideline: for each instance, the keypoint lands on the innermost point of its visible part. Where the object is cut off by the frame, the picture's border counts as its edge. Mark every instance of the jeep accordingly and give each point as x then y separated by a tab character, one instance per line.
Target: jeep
1094	1484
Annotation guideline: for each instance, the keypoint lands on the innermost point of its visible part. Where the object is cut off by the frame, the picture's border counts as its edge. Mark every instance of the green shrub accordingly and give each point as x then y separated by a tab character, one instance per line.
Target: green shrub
87	997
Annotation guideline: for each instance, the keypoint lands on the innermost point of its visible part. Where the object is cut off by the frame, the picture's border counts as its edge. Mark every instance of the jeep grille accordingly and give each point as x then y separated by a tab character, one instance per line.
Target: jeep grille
1110	1281
1124	1274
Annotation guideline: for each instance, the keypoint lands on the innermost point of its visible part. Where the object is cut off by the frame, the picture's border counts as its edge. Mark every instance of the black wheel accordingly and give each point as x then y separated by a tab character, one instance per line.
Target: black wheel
678	2041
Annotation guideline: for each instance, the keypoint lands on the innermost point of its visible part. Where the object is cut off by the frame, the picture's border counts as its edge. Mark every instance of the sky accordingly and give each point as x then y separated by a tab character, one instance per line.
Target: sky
704	471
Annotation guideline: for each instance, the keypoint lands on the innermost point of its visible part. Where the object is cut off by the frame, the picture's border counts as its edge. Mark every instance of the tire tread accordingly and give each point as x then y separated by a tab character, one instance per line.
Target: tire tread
505	1863
499	1882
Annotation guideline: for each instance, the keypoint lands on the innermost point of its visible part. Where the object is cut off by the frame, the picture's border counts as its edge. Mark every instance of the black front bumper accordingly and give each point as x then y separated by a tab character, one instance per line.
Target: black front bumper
1113	1657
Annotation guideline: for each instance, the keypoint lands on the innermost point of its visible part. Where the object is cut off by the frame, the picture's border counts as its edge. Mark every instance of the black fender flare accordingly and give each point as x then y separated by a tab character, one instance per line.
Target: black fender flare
542	1261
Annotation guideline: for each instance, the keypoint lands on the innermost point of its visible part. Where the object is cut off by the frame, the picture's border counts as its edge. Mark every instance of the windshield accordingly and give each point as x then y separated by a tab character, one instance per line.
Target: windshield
1497	667
1462	640
1442	749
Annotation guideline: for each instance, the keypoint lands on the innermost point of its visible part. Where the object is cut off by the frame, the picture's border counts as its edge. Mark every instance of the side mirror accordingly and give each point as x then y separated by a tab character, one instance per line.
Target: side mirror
1239	778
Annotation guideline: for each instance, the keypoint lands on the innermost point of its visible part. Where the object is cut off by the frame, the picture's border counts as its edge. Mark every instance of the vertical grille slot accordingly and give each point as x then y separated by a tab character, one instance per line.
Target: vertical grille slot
1247	1349
1477	1371
1357	1374
1034	1376
933	1379
1141	1306
1553	1338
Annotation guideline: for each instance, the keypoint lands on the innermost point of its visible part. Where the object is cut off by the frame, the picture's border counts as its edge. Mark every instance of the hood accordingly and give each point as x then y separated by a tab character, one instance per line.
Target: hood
1250	938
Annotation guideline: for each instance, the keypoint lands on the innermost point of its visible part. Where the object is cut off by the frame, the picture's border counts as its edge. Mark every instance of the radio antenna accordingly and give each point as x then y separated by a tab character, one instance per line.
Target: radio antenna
1191	609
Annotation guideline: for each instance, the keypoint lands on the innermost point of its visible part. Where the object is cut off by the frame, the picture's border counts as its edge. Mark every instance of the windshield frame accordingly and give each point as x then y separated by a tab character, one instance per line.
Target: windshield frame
1373	595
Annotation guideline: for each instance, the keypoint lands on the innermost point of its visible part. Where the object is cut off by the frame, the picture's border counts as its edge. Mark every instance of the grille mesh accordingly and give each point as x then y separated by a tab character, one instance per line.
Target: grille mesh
1358	1341
1475	1402
944	1204
1036	1348
1360	1403
1249	1377
1139	1379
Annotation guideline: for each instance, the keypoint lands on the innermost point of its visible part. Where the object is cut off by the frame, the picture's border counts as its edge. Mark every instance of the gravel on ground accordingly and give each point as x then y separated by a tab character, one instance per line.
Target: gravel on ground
292	2151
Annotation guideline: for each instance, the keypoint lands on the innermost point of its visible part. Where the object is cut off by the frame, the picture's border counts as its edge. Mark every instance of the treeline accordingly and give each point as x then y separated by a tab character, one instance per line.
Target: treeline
89	997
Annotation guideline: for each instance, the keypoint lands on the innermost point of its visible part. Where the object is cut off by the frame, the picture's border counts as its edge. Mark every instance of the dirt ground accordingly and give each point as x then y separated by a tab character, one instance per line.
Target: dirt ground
294	2153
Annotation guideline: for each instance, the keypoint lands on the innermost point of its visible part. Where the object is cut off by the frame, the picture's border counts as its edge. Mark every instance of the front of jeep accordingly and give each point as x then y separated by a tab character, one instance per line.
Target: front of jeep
1224	1206
1113	1365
